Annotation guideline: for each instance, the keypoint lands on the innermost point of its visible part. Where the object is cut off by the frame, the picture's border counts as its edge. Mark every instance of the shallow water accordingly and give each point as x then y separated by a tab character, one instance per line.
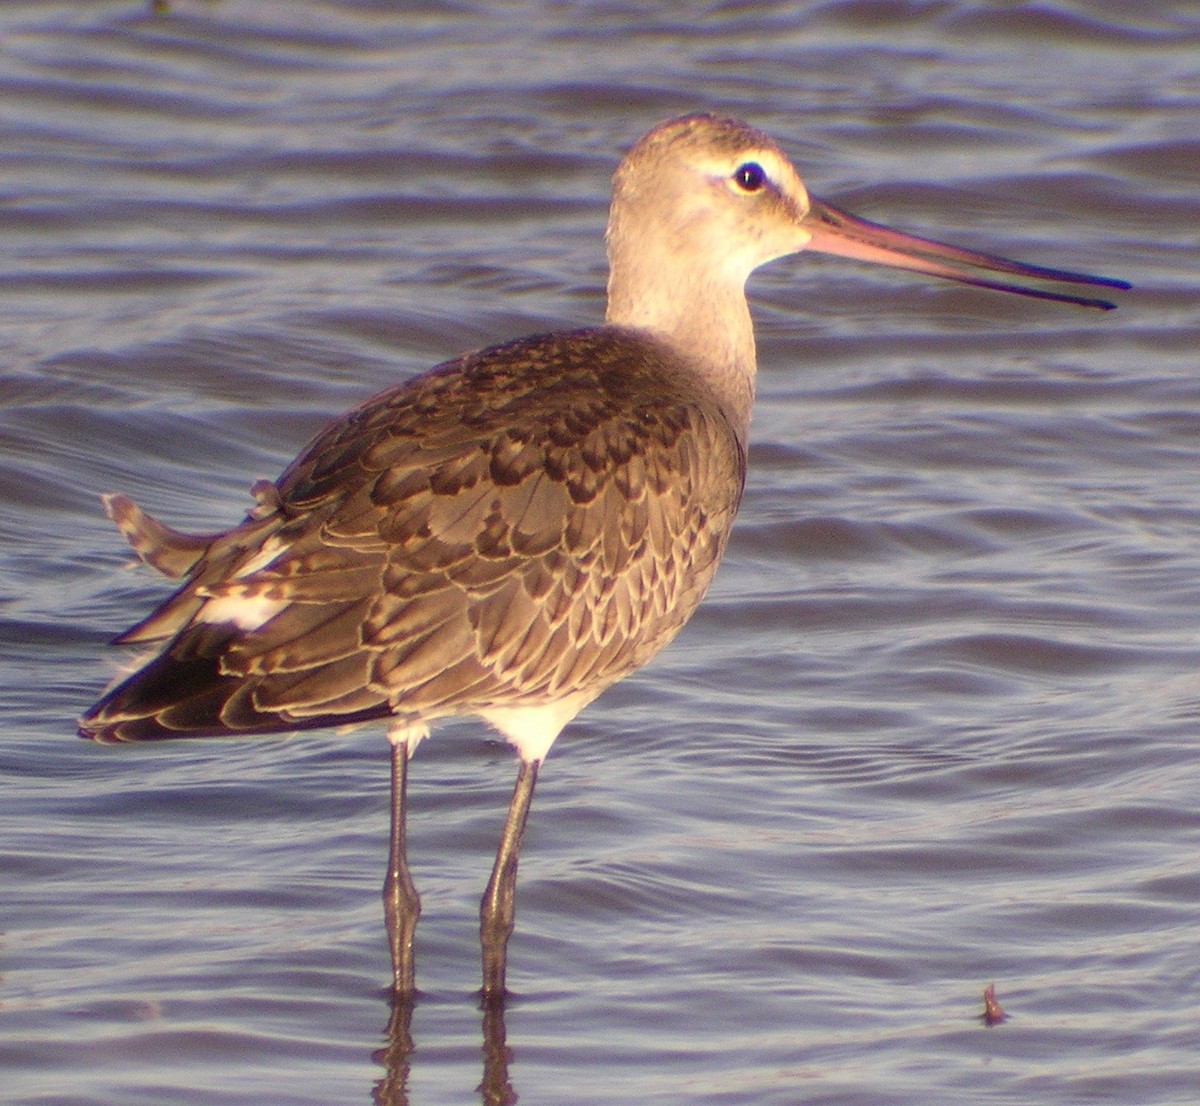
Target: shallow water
936	725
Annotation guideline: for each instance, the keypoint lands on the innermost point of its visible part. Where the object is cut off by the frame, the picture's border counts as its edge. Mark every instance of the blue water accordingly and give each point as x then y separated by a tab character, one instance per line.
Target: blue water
937	725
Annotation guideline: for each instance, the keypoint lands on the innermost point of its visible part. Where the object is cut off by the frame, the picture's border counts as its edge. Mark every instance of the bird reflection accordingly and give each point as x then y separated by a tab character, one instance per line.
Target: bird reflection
495	1089
394	1057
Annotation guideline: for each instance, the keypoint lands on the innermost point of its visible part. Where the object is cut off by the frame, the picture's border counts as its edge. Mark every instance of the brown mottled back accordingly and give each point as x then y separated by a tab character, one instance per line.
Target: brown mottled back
534	521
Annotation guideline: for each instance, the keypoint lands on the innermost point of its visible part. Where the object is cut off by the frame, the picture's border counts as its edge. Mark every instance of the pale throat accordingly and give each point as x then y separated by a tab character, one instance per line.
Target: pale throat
700	310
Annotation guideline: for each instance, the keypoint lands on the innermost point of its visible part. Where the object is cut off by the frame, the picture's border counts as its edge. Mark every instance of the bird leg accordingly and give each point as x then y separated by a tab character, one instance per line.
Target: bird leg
401	903
498	909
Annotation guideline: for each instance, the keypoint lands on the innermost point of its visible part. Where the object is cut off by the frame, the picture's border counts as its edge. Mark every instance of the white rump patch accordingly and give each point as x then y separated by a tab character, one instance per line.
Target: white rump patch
246	612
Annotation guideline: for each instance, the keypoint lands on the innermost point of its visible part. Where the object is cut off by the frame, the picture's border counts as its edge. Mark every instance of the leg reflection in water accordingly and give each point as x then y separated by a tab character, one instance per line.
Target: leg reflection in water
395	1057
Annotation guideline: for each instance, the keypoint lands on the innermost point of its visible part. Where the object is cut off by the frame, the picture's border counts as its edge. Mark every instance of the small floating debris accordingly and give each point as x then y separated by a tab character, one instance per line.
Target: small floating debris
993	1012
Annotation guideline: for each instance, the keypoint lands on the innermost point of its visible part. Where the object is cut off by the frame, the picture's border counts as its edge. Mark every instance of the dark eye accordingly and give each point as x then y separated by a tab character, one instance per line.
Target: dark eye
750	177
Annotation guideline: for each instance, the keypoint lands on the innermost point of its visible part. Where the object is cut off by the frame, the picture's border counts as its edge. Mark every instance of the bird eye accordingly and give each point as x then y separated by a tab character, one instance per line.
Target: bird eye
750	177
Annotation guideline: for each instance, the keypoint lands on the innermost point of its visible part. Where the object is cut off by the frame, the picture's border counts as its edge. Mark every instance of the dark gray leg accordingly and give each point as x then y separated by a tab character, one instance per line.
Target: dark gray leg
401	903
498	909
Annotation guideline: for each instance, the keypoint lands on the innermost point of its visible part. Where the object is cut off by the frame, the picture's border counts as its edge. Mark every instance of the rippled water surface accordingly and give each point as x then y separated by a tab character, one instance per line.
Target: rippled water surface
938	723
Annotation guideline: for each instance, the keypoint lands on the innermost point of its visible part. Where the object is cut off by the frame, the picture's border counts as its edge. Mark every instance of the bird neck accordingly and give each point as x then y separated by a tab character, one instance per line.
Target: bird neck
705	320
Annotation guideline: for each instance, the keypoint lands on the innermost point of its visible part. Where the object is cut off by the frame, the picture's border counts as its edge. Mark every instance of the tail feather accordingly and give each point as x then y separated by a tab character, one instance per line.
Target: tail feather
177	693
183	692
174	554
199	559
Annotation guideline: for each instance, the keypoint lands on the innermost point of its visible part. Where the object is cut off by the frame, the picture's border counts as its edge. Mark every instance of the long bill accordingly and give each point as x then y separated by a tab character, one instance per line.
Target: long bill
838	232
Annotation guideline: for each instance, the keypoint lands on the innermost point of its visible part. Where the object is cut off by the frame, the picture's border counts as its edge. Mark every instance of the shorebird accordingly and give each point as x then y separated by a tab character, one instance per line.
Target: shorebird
510	533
